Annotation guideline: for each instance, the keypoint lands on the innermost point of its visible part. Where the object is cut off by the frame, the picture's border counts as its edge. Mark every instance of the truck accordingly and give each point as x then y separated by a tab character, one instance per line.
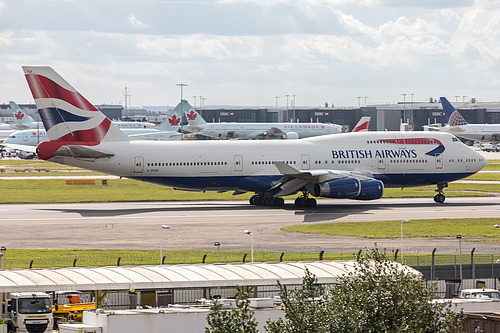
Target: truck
29	312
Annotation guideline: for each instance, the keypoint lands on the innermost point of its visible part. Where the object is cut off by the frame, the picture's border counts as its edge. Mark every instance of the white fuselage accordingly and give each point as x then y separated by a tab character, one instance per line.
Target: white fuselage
476	132
248	165
256	130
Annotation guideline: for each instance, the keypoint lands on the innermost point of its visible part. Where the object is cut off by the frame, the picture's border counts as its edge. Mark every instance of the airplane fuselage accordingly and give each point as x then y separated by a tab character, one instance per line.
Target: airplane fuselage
476	132
399	160
256	130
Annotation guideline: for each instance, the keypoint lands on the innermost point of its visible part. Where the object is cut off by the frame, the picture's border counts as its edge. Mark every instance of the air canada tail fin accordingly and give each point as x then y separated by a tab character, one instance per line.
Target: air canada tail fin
452	115
174	118
193	117
67	116
362	125
21	117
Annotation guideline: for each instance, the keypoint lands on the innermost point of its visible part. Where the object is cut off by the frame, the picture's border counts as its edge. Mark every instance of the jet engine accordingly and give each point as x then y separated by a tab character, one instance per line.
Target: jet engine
348	188
291	136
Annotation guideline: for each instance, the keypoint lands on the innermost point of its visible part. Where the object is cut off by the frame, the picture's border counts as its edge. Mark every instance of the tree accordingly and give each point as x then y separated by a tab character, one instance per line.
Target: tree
238	320
377	295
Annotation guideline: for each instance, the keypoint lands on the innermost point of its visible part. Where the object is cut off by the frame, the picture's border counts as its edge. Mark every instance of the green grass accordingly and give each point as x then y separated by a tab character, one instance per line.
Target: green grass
471	228
44	258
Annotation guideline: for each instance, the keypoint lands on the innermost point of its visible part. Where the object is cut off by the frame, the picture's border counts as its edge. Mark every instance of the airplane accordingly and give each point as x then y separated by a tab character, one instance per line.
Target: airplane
23	121
27	140
458	126
198	125
346	166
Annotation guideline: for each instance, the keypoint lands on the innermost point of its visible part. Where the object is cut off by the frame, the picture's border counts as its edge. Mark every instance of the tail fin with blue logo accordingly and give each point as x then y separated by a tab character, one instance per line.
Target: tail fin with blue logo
72	123
453	117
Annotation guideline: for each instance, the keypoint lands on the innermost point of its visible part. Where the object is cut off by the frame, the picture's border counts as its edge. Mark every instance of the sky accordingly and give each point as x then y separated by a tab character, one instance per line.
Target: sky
249	52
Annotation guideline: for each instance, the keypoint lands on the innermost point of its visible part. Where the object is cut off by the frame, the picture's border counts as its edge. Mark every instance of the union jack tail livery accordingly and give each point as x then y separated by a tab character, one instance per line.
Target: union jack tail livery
452	115
72	123
362	125
67	115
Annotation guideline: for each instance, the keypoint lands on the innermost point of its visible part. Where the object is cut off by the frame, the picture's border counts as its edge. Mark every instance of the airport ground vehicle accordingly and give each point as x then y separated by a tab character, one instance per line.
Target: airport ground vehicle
29	313
71	312
481	293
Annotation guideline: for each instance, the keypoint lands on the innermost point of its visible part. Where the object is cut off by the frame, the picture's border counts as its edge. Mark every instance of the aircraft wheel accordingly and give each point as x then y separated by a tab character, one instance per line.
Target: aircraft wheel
253	199
311	202
269	202
300	202
280	202
439	198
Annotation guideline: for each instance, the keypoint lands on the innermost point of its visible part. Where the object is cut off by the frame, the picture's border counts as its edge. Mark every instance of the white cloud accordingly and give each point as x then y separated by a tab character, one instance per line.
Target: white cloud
136	23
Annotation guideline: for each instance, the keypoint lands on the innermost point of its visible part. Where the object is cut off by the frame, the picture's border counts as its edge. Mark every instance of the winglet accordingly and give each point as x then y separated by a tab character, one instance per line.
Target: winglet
452	115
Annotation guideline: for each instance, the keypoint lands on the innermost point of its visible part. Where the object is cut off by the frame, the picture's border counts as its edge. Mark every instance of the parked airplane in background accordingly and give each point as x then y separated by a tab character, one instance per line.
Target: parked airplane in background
22	120
349	165
27	140
362	125
459	127
198	125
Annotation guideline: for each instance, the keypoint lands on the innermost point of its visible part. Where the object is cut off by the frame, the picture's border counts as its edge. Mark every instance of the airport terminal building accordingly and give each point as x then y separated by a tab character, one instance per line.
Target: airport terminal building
383	117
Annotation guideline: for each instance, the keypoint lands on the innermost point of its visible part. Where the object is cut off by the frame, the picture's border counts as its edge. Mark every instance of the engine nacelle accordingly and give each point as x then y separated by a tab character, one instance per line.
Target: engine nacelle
291	135
348	188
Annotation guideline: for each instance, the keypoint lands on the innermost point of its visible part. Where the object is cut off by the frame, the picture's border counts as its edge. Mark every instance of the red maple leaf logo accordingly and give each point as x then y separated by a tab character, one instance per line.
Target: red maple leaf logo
19	115
191	115
174	121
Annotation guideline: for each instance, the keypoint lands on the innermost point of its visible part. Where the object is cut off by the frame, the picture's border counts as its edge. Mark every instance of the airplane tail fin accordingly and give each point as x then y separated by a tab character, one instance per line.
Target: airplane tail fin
174	118
452	115
193	117
362	125
67	116
21	117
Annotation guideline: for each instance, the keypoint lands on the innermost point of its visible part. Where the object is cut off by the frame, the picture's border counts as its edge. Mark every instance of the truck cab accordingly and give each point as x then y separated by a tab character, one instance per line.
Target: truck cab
30	313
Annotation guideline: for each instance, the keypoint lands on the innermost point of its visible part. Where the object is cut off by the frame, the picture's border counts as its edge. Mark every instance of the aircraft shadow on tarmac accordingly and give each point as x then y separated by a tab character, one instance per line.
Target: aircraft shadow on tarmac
322	213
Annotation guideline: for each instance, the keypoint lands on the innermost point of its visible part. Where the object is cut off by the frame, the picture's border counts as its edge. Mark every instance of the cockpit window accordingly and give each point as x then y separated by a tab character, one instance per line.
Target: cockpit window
455	139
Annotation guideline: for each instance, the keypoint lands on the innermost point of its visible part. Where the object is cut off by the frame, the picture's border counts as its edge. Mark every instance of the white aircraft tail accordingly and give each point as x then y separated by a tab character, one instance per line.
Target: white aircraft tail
174	118
193	117
362	125
21	117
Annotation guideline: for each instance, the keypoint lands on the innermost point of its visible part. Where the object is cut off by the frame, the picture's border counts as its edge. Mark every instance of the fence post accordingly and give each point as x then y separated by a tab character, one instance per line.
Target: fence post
118	262
321	255
396	255
432	264
163	260
473	266
31	264
244	257
281	256
74	262
204	257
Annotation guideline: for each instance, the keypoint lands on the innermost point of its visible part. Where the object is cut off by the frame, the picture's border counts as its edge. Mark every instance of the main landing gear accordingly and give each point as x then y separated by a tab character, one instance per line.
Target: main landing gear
261	199
439	196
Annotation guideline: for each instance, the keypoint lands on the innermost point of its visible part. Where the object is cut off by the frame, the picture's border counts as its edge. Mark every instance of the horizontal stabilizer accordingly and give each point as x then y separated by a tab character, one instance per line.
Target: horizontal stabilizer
81	152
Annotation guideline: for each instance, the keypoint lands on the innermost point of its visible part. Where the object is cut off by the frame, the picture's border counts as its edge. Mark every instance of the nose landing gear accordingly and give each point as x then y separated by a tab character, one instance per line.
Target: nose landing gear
439	197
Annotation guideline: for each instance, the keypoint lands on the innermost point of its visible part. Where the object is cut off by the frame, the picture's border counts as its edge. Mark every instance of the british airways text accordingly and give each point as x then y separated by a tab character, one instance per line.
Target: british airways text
379	153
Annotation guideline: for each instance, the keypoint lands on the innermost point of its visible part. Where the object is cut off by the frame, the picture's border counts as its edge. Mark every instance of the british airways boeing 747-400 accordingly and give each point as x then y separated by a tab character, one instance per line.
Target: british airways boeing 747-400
350	165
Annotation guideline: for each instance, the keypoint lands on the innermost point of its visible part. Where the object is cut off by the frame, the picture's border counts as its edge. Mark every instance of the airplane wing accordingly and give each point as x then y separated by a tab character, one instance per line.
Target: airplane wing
294	179
81	152
270	133
31	149
171	134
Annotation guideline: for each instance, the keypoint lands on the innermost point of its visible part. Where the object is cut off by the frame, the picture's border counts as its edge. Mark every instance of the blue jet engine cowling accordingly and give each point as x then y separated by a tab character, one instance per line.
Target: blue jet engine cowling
348	188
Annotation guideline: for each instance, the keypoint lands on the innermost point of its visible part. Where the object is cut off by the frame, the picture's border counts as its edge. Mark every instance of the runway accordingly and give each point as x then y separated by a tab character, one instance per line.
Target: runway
197	225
